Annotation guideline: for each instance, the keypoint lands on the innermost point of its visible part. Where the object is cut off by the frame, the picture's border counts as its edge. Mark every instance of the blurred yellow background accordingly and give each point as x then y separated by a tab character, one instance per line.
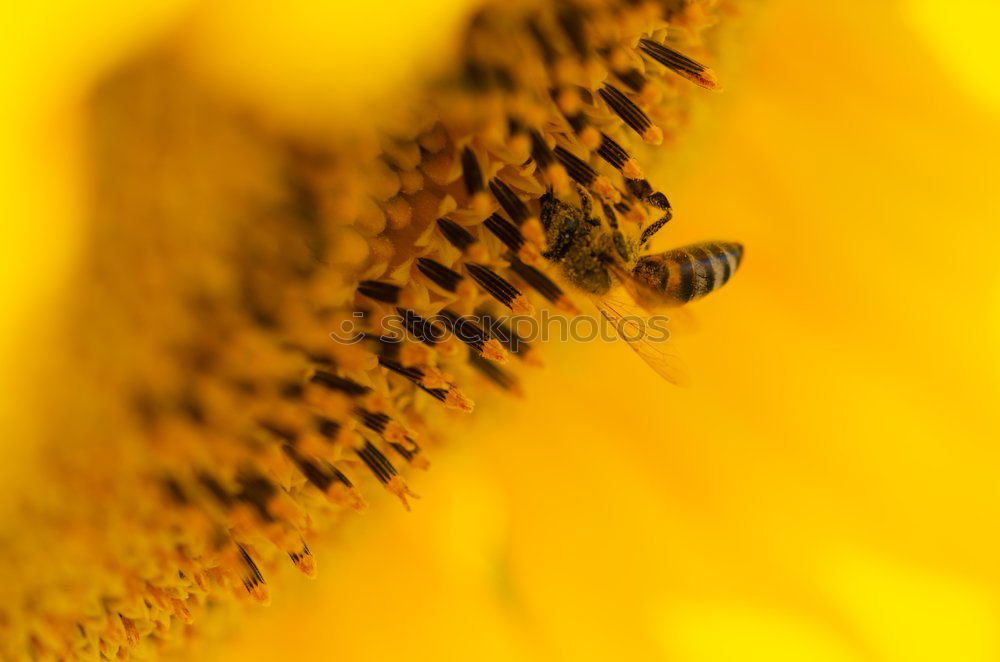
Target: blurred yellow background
828	488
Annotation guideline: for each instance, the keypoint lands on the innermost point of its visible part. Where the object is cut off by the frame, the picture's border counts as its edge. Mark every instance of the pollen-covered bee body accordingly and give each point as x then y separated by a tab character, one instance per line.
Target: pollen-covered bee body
581	244
684	274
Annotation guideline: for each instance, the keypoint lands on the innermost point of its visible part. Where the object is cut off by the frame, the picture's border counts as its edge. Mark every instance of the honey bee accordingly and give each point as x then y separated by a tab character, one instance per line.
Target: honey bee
598	259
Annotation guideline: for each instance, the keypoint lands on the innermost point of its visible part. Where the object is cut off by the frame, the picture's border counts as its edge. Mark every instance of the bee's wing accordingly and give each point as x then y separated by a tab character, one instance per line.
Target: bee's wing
618	312
652	300
644	295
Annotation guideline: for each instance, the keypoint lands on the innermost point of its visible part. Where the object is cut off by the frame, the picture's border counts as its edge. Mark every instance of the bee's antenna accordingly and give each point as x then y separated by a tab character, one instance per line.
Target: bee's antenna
609	215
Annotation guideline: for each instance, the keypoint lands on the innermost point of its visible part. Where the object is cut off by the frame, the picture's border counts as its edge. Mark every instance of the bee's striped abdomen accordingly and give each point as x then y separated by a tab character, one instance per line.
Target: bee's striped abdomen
688	273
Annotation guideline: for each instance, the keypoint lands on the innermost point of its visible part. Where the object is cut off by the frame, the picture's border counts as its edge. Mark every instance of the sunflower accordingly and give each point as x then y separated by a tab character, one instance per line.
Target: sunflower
191	433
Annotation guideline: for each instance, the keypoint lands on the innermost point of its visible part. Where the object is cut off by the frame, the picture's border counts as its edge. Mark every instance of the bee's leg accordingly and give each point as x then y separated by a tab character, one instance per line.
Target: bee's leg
609	214
586	205
651	230
620	245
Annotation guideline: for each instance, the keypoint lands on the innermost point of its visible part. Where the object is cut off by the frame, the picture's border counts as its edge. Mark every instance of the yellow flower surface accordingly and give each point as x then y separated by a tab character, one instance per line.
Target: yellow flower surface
826	488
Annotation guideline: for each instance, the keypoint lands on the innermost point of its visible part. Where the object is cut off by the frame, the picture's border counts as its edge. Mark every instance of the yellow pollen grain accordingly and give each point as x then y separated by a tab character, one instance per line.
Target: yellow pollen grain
653	135
494	351
261	594
529	254
434	378
307	565
370	220
482	203
606	189
466	289
477	252
708	80
520	145
632	170
455	399
420	462
650	95
411	181
521	306
590	138
396	432
398	486
557	177
568	101
398	212
388	183
534	232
